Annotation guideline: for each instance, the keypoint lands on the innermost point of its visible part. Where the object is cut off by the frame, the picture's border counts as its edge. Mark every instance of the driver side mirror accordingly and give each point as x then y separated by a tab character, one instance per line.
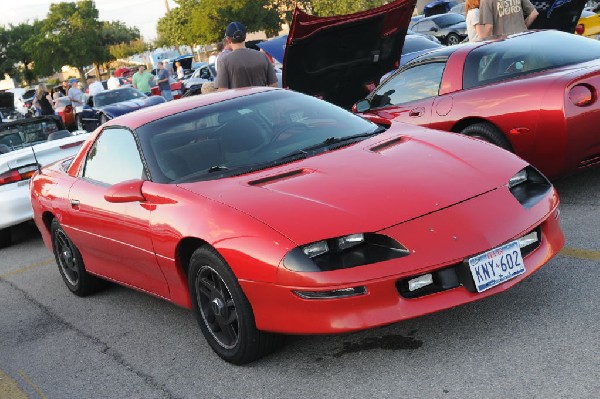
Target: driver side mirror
362	106
433	29
127	191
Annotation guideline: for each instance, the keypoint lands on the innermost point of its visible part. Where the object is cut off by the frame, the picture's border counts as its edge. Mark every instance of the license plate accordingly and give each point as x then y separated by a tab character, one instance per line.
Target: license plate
497	266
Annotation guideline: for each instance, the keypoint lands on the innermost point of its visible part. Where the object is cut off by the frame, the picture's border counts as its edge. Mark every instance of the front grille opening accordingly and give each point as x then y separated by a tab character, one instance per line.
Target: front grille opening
455	275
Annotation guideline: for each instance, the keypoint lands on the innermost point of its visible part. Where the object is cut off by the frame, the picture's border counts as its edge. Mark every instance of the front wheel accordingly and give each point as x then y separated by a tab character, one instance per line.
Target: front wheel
487	132
223	311
70	264
452	39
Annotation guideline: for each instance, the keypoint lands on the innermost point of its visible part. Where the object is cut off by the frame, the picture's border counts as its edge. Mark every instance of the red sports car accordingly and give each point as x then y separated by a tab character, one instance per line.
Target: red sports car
535	94
270	212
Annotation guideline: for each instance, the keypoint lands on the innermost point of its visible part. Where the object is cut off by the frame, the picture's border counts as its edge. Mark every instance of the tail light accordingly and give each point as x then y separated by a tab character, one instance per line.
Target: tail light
18	174
579	29
582	95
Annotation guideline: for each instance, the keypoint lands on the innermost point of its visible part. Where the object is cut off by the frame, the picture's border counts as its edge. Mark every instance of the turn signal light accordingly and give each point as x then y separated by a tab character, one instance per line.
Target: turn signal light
582	95
579	29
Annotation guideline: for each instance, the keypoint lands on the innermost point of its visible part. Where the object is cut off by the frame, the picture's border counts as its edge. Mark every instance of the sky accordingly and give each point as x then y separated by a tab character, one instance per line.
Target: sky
142	14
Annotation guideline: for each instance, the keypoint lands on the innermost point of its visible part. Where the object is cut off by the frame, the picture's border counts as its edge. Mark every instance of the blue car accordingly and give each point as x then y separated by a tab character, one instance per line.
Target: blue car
109	104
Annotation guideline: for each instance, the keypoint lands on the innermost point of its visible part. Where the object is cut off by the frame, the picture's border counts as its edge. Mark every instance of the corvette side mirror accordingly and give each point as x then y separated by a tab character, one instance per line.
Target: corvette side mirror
362	106
127	191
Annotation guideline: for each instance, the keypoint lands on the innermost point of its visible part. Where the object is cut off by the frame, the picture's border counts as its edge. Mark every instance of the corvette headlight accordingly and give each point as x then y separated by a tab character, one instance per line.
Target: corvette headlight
343	252
529	186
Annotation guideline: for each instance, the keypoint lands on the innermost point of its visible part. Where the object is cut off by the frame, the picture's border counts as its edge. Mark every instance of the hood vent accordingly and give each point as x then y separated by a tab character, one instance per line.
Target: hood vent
388	144
278	177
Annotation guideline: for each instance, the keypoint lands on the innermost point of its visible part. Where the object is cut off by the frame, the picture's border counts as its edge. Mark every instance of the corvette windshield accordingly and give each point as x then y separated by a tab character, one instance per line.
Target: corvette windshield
246	134
116	96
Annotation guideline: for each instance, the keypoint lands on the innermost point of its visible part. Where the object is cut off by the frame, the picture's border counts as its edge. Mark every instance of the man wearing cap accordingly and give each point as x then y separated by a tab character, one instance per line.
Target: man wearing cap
243	67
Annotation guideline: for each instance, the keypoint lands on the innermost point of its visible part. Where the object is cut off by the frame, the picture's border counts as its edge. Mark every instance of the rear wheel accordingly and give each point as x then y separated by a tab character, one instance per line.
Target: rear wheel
452	39
5	237
487	132
223	311
70	264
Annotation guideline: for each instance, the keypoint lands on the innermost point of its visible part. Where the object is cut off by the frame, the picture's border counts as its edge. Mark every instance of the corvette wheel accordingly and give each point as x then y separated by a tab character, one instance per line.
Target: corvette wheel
5	237
487	132
223	311
70	264
452	39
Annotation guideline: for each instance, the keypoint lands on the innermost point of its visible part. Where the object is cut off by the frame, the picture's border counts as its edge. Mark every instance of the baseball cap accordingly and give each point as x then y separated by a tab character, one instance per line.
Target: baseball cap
236	30
73	80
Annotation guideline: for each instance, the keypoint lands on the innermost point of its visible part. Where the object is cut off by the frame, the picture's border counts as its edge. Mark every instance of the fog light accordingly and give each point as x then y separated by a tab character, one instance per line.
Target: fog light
332	294
528	239
420	282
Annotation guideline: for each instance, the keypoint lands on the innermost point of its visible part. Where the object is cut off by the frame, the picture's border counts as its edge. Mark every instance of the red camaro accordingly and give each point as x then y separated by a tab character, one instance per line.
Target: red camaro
535	94
270	212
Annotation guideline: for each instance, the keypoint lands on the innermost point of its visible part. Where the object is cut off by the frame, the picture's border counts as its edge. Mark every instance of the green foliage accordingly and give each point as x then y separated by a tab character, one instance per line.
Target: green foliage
13	50
339	7
124	50
174	28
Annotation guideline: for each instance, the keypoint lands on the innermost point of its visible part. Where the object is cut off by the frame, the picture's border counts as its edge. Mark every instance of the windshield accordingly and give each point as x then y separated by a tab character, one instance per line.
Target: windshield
245	134
449	19
116	96
19	135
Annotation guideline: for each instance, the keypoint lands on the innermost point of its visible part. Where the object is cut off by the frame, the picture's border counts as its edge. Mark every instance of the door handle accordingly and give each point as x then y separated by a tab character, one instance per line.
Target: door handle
415	112
74	203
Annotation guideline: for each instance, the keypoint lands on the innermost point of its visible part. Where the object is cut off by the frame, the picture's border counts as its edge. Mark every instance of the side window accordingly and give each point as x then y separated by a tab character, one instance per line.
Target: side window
412	84
424	26
114	158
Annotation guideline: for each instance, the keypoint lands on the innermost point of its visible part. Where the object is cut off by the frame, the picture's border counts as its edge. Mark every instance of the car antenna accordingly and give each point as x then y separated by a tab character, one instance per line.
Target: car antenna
39	167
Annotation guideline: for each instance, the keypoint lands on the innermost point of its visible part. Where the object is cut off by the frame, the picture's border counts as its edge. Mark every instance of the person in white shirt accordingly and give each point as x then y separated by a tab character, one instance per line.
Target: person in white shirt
94	86
474	27
113	82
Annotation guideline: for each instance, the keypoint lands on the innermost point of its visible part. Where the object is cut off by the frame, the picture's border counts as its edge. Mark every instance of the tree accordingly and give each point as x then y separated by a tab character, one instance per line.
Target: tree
13	51
174	28
124	50
326	8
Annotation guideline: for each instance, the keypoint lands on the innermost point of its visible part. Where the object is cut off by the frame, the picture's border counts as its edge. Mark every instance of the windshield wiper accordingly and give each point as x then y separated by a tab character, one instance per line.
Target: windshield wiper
217	168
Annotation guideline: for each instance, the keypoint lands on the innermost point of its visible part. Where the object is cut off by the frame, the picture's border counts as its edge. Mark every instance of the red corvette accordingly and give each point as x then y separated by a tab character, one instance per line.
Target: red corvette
270	212
535	94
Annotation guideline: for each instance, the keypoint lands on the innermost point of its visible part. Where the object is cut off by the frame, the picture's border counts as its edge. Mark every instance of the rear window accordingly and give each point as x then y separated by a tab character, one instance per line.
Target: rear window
522	55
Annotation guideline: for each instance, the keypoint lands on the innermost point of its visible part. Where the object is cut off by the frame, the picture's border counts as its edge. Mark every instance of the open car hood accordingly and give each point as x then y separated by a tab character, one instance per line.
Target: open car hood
7	100
558	14
340	58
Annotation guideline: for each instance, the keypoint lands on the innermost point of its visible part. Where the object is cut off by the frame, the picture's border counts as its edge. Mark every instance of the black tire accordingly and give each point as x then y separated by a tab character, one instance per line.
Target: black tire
487	132
5	237
70	264
103	119
452	39
223	311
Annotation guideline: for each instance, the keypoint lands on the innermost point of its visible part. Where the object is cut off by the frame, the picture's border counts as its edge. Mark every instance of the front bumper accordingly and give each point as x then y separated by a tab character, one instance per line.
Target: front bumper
441	239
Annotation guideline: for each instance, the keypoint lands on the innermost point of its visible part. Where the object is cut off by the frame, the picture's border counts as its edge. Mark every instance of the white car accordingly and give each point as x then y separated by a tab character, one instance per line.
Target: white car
44	135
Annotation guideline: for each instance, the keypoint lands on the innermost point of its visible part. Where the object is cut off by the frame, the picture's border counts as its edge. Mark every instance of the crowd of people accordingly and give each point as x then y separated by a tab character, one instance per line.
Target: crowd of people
487	19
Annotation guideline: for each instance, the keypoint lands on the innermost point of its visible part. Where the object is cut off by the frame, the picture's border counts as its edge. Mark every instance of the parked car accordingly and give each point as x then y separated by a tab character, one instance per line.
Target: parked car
458	9
533	93
437	7
46	135
588	24
109	104
449	28
176	88
270	212
7	107
205	72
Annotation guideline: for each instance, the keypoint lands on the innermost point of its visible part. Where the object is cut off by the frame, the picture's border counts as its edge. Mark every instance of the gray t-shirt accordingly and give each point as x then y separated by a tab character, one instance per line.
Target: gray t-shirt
244	67
163	74
506	16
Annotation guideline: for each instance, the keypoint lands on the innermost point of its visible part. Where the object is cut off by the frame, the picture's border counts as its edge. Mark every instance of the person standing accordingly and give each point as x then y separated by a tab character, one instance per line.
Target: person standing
505	17
243	67
94	86
43	101
164	85
474	28
113	82
142	79
76	95
179	68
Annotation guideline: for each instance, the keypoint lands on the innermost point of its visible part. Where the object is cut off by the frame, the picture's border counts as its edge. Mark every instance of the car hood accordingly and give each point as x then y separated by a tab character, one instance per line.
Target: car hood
558	14
7	100
398	176
337	58
126	107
